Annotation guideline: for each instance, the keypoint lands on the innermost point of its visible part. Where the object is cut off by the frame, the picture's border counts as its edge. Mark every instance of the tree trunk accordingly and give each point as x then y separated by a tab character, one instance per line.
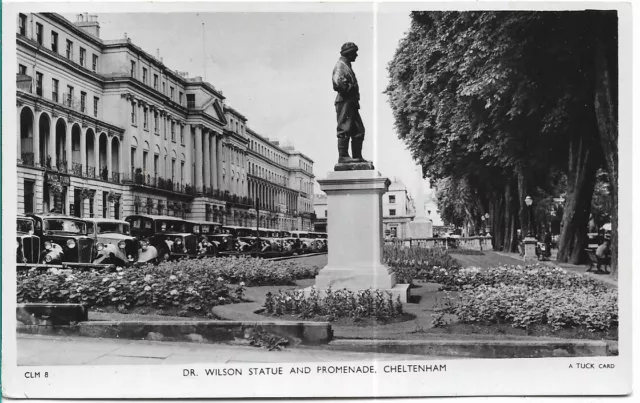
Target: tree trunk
523	192
581	178
607	120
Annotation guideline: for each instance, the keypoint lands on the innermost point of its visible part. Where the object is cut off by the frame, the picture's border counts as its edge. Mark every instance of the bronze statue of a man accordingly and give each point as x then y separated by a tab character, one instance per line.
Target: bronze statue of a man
347	103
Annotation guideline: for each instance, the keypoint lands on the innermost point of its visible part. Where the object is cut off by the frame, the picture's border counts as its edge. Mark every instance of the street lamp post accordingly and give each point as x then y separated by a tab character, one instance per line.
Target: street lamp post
529	202
487	216
530	240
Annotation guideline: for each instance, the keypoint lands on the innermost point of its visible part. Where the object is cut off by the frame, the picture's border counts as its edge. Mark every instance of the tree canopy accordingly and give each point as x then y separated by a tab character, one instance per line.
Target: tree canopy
496	106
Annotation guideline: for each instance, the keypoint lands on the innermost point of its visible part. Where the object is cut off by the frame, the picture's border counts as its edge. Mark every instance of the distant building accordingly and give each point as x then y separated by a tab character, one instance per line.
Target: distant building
398	209
320	209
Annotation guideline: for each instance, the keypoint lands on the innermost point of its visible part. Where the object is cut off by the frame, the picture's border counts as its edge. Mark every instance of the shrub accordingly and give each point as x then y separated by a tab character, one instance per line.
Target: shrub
334	304
523	306
160	287
251	271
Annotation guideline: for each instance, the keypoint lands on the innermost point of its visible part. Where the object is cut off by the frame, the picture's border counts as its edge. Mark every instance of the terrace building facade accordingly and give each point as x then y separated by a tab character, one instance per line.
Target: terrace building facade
105	129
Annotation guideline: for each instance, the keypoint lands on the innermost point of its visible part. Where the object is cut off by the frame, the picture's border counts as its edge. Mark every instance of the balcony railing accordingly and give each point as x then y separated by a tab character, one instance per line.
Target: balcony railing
61	166
76	168
28	159
115	177
91	172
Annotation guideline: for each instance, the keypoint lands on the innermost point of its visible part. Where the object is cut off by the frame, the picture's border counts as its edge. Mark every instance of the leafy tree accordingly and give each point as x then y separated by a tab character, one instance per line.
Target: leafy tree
504	102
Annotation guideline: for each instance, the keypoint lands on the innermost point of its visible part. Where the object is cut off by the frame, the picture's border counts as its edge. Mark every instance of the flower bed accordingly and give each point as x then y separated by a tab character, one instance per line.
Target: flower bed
536	275
334	304
408	263
525	296
524	306
163	288
250	271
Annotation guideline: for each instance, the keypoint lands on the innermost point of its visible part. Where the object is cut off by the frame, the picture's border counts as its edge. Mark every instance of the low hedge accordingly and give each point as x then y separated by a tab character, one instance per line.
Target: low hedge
247	270
161	287
334	304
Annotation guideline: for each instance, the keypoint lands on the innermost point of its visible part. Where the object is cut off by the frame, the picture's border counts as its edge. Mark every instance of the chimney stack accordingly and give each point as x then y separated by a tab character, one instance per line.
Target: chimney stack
88	24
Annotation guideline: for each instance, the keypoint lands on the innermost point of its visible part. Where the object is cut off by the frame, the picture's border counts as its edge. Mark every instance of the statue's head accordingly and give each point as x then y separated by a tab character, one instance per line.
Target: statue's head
349	50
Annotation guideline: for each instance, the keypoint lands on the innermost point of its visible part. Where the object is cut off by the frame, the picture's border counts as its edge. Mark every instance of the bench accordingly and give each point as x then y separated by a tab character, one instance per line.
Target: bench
596	261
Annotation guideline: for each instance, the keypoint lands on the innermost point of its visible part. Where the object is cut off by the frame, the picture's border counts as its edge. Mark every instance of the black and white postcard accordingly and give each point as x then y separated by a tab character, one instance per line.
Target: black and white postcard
330	200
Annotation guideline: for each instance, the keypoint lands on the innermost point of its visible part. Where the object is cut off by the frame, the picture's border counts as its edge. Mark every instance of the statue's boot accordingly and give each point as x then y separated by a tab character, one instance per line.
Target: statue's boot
356	150
343	152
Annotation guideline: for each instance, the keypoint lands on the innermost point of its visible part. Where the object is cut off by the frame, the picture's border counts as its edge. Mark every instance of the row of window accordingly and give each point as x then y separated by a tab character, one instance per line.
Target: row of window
69	49
191	98
156	164
68	99
156	125
266	174
306	167
270	154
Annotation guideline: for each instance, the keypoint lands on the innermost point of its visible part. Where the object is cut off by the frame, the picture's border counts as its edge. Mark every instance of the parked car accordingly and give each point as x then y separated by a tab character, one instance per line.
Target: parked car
162	237
28	244
205	232
114	243
305	240
63	239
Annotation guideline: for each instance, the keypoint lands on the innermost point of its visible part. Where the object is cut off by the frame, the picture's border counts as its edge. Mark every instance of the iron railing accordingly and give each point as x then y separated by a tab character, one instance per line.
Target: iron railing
61	166
76	168
28	159
91	172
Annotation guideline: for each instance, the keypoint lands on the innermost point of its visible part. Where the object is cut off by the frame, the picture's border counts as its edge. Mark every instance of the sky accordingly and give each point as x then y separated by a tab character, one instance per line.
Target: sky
275	68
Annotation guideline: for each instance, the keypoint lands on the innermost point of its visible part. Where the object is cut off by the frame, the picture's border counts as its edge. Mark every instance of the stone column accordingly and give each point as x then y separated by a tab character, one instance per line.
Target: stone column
219	161
207	158
36	139
354	201
83	151
214	160
109	156
52	151
19	150
68	147
187	155
199	161
96	153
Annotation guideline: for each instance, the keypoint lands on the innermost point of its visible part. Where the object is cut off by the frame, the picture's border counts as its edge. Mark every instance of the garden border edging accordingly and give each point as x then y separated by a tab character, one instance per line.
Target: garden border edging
311	333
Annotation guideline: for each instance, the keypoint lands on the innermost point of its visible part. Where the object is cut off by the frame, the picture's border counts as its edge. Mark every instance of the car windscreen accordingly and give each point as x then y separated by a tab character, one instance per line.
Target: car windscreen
170	226
62	225
119	228
244	232
24	225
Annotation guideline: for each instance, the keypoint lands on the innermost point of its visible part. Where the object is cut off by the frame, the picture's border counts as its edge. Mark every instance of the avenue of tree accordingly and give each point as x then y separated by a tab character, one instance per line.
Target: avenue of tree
496	106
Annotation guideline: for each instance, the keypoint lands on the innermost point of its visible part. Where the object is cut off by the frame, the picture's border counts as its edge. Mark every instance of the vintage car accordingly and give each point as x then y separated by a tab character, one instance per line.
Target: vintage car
291	245
63	239
305	240
113	241
206	232
168	236
28	244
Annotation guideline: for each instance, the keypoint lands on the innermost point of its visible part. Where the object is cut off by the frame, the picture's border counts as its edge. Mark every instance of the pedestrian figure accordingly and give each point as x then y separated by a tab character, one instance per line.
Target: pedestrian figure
350	126
603	253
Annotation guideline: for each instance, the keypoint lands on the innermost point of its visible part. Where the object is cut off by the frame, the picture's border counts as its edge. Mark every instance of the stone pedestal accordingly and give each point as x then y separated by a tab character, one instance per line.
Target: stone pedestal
530	249
421	227
354	228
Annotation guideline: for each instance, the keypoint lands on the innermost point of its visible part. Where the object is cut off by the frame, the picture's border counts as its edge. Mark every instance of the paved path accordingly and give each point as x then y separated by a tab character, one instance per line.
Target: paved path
49	350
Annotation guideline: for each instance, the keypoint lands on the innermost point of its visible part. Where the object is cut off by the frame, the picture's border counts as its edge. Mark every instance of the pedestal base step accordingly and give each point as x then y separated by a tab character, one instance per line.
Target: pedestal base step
399	290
